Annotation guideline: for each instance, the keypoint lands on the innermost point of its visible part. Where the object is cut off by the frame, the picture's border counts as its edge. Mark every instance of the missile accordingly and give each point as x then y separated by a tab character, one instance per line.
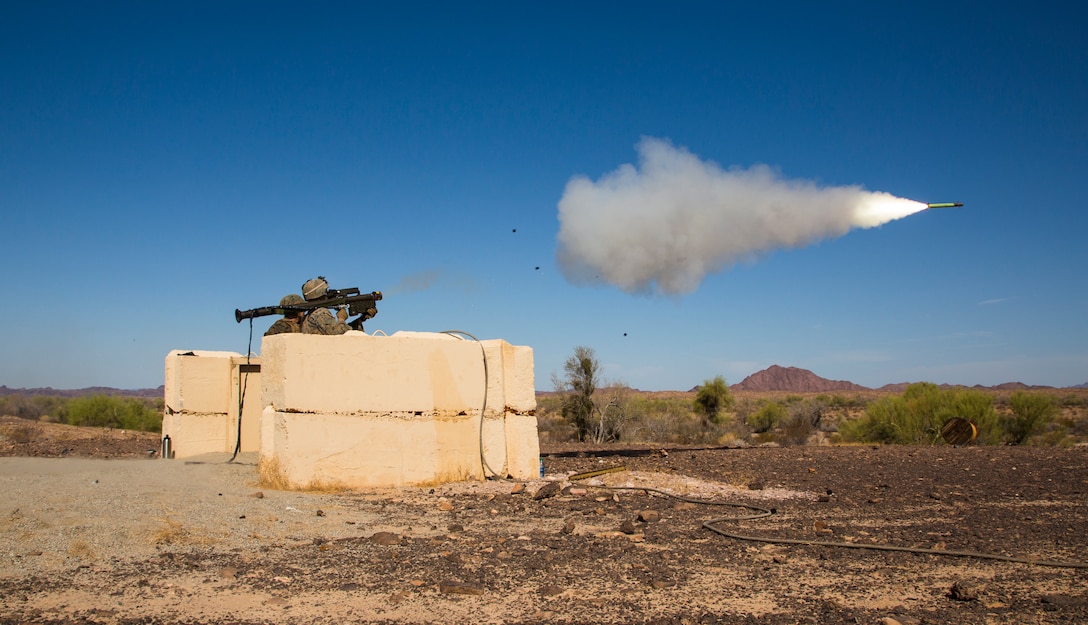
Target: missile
945	205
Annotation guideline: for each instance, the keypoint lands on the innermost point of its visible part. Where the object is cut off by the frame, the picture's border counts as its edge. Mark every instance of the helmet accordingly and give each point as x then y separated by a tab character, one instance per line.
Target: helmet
315	288
291	300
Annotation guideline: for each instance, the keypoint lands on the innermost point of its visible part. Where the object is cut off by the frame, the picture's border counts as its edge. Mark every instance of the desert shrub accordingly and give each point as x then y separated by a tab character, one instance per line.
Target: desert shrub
810	410
918	414
551	425
1031	412
665	420
35	407
1073	401
846	403
795	430
766	417
126	413
712	398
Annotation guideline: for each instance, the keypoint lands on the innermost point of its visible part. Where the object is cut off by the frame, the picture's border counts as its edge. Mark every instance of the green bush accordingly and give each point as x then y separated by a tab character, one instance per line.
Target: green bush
712	398
766	417
124	413
1031	412
919	413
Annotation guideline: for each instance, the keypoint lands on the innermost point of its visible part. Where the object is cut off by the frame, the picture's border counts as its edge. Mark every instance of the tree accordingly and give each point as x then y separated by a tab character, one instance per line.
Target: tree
582	377
1031	412
711	398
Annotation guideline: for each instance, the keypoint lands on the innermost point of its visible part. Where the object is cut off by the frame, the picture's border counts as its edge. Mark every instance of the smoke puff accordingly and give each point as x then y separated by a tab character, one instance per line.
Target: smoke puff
662	227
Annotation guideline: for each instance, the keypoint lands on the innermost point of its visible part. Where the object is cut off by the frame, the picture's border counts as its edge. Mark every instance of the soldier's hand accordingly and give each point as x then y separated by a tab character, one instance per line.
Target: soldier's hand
342	314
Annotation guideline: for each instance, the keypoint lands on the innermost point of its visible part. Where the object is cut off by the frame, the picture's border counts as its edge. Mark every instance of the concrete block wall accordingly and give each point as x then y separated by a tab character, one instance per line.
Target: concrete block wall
201	396
359	410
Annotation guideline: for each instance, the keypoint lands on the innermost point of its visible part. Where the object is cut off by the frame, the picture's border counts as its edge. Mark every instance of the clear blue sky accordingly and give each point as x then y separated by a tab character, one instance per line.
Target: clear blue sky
162	164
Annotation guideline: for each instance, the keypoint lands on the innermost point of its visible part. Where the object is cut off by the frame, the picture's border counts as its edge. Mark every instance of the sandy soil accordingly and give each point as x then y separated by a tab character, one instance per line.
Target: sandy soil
136	539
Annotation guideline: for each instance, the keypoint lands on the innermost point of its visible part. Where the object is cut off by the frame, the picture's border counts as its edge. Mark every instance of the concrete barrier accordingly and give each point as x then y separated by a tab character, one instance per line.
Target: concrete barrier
412	408
356	410
202	390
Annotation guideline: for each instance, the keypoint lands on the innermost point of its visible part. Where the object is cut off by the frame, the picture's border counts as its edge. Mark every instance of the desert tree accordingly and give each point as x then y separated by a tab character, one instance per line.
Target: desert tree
711	399
596	418
1031	412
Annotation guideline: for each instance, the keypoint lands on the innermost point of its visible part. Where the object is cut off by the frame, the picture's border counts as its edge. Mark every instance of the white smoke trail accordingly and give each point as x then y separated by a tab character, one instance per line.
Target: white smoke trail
662	227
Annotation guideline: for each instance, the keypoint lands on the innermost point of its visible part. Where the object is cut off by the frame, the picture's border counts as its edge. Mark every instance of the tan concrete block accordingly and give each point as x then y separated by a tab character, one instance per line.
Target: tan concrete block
198	381
493	443
510	377
355	371
196	433
358	410
310	450
522	447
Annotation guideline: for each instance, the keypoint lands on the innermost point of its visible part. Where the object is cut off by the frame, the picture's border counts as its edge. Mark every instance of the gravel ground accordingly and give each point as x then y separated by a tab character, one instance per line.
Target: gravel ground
138	540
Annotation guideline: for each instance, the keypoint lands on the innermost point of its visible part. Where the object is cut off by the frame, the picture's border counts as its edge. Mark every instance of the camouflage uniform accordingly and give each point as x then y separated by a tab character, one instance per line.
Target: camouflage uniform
282	326
287	324
321	321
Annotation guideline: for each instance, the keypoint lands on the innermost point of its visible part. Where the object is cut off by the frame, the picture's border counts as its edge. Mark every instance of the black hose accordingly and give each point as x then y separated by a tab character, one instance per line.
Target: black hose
763	512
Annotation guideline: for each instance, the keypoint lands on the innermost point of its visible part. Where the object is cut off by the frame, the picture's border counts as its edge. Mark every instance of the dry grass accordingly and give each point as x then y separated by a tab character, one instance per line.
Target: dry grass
171	532
272	476
16	433
81	549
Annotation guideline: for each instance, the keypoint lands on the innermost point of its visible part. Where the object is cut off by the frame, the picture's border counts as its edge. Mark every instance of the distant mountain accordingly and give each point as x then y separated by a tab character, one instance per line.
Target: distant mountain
792	379
90	390
1085	385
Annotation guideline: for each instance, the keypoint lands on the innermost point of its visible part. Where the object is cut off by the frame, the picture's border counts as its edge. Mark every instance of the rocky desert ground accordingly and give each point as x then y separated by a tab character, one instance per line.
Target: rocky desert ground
95	529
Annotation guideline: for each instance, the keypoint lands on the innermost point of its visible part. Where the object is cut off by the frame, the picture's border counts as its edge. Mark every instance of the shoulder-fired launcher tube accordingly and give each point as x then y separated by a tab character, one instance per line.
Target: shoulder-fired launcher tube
336	300
945	205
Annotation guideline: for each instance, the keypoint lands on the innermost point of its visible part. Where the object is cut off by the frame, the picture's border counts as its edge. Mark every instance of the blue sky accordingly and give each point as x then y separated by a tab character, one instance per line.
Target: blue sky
162	164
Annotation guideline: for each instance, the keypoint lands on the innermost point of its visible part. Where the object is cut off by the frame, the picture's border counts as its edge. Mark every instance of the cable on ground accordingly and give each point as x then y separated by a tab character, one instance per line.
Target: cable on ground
759	513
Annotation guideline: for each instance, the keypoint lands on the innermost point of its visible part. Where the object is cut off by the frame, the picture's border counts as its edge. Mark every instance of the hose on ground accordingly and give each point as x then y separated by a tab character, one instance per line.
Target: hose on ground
759	513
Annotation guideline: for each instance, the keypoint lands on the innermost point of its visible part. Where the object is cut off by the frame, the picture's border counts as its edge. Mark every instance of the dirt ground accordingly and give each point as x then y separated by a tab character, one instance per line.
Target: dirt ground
93	529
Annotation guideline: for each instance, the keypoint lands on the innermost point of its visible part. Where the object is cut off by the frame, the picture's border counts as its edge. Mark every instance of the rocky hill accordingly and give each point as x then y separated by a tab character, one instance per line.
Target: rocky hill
793	379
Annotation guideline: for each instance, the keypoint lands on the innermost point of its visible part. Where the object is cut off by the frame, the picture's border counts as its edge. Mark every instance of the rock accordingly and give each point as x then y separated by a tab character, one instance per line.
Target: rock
455	528
756	485
964	590
568	527
628	527
385	538
228	572
518	489
551	489
887	620
258	495
320	512
1057	600
659	584
649	516
549	590
445	506
823	498
460	588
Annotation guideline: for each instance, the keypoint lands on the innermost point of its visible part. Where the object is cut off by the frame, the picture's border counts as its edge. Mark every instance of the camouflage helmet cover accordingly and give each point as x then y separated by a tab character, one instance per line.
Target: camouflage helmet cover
315	288
292	300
